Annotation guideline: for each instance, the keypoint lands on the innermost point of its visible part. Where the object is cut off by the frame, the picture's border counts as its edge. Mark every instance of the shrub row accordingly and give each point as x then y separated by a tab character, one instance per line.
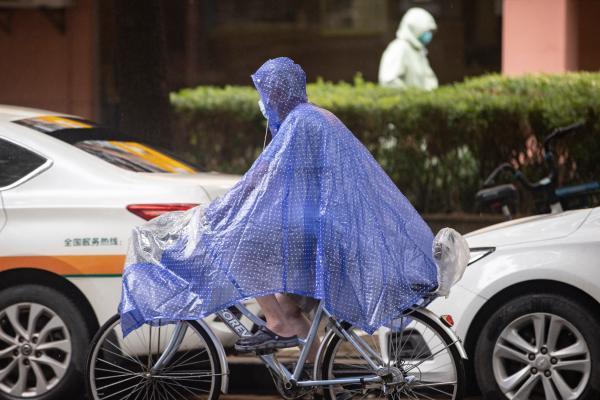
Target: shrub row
437	146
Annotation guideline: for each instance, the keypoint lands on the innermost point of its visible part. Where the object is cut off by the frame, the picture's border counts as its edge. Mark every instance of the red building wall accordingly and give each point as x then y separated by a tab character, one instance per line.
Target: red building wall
44	68
550	36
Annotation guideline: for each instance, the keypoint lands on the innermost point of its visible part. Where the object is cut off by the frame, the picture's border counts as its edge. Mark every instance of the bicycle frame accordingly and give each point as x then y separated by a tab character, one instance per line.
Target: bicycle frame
291	378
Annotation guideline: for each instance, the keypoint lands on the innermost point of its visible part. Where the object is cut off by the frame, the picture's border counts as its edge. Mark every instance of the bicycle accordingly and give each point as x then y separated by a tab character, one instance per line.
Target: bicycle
424	359
554	199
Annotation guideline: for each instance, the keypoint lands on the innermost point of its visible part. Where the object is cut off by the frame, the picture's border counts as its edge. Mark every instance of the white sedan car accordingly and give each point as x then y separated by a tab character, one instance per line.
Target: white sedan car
528	307
70	194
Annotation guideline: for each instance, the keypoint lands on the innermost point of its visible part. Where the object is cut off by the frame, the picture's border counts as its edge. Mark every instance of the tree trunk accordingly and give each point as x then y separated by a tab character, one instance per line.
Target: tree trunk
144	110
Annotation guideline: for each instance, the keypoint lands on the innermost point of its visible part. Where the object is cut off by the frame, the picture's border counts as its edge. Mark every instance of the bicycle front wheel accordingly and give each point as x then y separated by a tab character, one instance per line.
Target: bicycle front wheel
120	368
414	346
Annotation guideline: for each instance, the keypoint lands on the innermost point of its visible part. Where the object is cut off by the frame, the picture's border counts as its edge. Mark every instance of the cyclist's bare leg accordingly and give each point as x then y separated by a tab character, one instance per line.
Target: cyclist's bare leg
285	318
277	320
298	321
277	334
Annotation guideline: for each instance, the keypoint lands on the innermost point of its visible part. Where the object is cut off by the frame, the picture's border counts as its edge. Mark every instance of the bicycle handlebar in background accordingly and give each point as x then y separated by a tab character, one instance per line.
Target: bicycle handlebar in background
562	131
548	158
502	167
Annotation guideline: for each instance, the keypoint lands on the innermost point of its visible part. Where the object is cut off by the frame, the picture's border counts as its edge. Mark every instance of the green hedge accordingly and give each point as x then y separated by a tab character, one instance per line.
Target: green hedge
437	146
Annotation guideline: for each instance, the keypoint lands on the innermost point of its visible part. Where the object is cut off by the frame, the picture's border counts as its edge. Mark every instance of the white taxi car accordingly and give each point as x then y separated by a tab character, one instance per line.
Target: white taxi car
70	193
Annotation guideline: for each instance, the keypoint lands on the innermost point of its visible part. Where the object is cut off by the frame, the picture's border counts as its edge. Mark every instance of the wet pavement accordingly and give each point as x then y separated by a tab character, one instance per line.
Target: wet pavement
248	397
253	396
249	379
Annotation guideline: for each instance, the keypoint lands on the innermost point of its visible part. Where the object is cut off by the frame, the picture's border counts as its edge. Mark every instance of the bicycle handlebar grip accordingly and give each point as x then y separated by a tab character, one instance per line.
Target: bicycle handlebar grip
524	181
491	177
561	132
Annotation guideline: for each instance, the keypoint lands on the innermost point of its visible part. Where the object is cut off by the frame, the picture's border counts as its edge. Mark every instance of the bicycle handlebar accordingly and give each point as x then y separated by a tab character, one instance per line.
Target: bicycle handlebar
562	131
542	184
502	167
546	182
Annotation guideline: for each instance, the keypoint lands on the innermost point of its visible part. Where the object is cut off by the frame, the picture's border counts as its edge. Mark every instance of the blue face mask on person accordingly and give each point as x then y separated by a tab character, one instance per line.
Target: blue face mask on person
426	37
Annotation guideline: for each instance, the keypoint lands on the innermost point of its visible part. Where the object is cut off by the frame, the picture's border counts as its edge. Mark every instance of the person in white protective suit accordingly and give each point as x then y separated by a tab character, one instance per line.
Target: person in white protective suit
404	62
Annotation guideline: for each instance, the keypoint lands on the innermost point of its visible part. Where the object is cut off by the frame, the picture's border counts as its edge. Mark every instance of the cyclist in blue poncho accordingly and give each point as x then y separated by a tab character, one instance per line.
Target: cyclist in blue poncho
315	216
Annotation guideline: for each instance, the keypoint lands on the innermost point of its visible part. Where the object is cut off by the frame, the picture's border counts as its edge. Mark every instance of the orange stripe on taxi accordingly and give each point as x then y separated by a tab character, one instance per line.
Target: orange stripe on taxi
67	265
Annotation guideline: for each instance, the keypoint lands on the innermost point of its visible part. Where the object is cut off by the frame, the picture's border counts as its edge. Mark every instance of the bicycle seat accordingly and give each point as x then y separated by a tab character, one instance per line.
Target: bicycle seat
497	194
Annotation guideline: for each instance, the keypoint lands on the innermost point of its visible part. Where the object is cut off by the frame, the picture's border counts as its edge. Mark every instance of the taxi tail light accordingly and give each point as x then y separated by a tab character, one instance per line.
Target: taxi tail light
149	211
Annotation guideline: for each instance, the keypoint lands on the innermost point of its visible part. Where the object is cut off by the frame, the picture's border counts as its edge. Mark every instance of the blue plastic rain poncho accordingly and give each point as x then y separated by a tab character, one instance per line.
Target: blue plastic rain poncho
315	215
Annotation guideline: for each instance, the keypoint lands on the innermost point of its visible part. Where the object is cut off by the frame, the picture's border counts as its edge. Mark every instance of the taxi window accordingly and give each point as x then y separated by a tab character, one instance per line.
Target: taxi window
16	162
134	156
108	144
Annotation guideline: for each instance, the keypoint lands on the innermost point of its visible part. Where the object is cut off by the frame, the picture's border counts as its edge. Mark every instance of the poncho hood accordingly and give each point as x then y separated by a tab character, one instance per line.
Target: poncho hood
281	84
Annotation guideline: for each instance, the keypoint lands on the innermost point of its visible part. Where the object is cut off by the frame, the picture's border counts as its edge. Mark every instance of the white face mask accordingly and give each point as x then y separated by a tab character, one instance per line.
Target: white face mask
264	113
262	109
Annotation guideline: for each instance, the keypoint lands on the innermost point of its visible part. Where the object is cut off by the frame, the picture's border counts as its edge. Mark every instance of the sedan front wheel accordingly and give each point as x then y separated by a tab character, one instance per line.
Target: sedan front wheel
539	347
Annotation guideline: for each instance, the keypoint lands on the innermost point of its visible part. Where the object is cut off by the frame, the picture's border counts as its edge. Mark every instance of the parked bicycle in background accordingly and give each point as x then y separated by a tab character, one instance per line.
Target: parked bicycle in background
551	197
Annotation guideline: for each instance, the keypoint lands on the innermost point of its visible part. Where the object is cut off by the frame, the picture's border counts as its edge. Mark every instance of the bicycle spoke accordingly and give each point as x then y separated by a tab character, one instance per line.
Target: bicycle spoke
168	394
186	387
134	390
174	363
433	384
434	388
150	347
428	358
186	361
183	379
121	356
158	342
116	366
439	366
135	360
112	376
116	393
175	388
427	397
119	382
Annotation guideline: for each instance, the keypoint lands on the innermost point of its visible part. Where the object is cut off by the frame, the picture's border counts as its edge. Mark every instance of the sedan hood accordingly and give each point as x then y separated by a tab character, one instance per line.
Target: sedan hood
214	183
530	229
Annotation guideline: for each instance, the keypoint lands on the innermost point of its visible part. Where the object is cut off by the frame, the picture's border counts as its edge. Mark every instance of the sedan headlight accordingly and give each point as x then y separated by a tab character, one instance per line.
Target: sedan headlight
477	253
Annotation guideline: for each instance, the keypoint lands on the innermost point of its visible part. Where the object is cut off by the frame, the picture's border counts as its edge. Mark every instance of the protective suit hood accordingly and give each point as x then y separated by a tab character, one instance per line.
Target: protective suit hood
415	22
281	84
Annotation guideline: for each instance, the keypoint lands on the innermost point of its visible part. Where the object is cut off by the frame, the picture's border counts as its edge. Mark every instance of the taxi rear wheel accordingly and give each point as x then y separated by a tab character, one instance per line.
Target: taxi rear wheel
43	342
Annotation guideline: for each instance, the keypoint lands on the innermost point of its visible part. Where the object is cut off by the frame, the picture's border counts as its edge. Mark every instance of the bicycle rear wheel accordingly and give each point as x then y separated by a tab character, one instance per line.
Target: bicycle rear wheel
417	347
121	368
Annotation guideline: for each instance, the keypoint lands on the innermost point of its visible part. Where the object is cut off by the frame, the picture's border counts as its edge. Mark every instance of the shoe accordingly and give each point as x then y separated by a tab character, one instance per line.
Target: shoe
265	339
